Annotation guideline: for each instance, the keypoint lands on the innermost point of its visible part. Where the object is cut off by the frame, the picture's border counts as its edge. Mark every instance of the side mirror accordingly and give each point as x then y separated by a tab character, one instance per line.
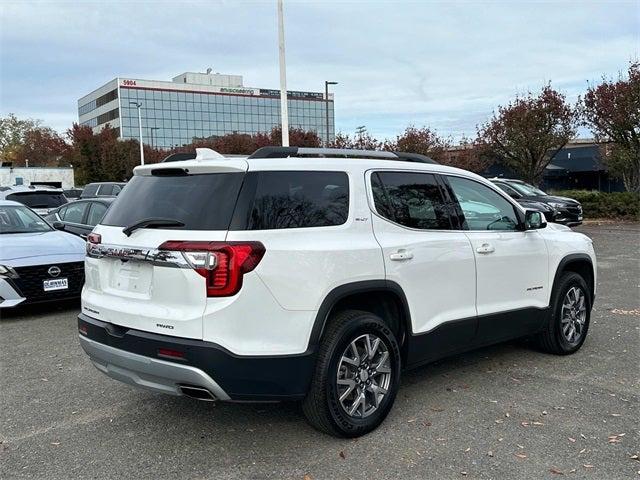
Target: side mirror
58	225
534	220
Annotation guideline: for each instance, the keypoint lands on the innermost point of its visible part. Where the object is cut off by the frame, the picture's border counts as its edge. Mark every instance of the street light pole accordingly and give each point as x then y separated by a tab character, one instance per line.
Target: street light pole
326	105
139	106
284	112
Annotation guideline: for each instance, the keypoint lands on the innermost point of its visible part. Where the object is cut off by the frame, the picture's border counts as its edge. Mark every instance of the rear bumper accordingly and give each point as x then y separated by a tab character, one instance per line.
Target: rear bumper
149	373
131	356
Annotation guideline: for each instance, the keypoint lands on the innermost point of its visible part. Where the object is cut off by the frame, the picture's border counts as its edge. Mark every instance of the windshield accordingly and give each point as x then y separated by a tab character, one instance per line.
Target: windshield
38	199
17	219
526	189
197	202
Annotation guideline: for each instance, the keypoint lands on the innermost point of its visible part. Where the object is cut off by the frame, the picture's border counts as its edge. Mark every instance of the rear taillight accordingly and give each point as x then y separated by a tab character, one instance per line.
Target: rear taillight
222	264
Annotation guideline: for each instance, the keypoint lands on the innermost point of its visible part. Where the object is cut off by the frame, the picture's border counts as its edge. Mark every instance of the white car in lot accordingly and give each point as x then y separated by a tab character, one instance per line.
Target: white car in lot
318	275
37	263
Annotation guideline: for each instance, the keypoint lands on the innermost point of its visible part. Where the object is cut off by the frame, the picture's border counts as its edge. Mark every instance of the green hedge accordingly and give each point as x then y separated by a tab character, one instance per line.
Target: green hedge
616	205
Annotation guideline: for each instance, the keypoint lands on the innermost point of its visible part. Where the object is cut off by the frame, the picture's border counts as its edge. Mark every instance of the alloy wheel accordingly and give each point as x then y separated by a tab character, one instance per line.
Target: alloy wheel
364	375
573	315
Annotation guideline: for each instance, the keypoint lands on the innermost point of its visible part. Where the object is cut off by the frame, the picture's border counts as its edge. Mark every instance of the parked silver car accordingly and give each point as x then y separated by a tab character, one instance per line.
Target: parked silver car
37	263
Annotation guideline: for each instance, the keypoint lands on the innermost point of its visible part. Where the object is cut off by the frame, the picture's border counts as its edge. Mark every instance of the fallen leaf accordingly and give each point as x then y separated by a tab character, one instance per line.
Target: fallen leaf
342	455
524	424
572	440
426	424
555	471
520	455
307	477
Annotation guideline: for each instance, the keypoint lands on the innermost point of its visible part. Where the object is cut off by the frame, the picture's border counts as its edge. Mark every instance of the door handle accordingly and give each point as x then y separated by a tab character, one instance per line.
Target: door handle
485	248
401	255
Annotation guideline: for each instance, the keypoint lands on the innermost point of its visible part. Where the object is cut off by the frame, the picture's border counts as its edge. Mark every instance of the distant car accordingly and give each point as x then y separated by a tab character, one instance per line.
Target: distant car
40	199
37	263
566	211
79	217
102	189
72	193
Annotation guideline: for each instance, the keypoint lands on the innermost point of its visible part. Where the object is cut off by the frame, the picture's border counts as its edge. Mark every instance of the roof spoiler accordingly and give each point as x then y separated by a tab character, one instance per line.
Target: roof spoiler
200	154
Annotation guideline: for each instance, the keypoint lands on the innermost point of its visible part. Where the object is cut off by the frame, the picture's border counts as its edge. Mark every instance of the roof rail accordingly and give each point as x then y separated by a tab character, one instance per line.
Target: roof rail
284	152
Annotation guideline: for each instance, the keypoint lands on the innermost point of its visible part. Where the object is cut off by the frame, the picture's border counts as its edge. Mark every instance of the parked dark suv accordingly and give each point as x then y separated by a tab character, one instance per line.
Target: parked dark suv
566	211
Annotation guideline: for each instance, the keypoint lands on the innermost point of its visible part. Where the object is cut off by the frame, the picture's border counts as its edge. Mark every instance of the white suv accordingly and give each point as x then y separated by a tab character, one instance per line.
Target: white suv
317	275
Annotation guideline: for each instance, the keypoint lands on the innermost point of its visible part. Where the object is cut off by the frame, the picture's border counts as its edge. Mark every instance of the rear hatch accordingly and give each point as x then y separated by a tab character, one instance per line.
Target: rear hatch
140	273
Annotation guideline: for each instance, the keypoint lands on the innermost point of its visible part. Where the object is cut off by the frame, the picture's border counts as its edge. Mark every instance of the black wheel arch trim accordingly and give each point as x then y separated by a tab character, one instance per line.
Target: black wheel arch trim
343	291
577	257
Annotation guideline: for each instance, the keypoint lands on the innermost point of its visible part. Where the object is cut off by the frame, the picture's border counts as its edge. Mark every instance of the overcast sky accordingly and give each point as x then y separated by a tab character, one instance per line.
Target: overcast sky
442	64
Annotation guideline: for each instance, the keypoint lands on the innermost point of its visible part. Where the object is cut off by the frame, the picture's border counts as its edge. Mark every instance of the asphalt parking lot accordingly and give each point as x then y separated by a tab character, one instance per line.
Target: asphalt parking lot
506	411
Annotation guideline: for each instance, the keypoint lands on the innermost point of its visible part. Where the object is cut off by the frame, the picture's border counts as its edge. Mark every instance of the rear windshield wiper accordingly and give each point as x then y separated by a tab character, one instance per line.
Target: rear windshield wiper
152	222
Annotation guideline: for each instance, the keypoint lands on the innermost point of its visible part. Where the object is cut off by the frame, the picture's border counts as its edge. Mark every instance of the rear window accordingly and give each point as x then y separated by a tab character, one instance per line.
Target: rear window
39	199
201	202
300	199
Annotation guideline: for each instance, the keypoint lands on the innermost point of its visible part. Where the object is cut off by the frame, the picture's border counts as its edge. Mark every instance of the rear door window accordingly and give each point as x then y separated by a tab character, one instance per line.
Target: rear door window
201	202
411	199
300	199
96	213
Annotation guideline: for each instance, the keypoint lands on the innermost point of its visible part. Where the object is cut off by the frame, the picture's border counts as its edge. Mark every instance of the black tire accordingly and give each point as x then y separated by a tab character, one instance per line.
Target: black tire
552	339
322	406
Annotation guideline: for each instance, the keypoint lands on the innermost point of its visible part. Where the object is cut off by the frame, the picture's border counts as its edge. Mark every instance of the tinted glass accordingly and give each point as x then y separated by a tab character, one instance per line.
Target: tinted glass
300	199
483	208
39	199
74	213
20	220
96	212
410	199
201	202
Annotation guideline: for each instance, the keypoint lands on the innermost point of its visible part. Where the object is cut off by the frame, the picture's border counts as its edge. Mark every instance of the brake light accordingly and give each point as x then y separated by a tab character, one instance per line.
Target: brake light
222	264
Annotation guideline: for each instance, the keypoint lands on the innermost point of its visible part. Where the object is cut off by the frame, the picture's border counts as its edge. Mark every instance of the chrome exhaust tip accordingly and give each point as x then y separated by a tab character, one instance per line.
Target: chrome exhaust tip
198	393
